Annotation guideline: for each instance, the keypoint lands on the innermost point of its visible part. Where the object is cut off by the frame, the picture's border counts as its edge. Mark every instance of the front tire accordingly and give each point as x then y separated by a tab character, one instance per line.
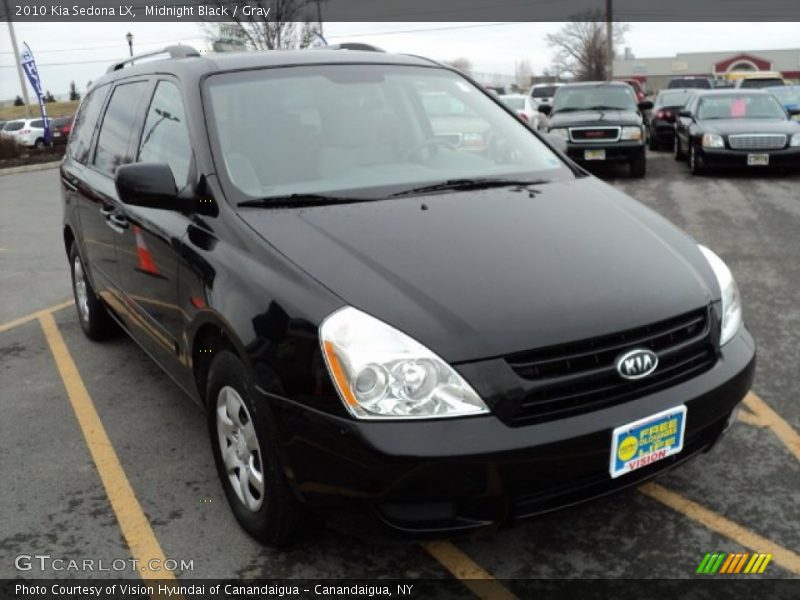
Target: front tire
638	165
93	316
246	449
696	166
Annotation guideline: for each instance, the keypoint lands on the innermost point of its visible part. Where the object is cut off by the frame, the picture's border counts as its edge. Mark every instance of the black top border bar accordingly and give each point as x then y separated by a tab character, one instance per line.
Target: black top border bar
401	10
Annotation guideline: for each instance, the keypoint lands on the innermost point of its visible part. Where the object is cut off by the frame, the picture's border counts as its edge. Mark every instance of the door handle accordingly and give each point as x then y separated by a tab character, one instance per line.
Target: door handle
107	211
117	222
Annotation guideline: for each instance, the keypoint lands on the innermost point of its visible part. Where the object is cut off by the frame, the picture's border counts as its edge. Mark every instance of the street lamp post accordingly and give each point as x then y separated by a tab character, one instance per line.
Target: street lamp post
129	37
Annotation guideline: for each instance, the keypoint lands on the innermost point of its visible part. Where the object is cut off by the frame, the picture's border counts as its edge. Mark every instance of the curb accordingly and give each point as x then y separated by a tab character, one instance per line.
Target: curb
30	168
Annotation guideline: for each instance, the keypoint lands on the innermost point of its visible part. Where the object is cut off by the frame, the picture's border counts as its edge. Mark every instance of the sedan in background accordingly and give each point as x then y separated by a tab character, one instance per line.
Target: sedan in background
789	96
662	117
523	106
736	128
61	128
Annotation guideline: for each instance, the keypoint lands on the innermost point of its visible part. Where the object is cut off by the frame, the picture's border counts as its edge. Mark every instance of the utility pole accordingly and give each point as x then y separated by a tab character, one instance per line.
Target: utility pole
609	41
19	63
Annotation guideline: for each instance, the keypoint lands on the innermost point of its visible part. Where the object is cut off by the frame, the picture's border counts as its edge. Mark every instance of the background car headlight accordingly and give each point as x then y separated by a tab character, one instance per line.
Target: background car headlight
631	133
731	304
795	140
381	372
712	140
561	132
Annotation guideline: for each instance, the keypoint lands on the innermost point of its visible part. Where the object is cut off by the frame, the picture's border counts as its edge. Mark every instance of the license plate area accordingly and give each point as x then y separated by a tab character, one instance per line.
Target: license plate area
648	440
757	160
598	154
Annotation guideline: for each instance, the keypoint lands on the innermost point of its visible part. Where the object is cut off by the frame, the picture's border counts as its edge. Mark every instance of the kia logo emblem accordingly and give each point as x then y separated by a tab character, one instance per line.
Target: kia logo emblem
637	363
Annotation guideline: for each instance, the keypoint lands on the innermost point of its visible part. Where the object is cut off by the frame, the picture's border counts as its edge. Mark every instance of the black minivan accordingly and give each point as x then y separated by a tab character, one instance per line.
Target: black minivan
398	323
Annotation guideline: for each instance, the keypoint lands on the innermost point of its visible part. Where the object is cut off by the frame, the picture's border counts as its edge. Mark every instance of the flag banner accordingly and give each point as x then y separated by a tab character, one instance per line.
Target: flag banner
29	66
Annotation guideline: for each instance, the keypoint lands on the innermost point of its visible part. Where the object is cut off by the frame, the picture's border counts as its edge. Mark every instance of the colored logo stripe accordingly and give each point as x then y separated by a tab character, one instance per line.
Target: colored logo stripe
733	564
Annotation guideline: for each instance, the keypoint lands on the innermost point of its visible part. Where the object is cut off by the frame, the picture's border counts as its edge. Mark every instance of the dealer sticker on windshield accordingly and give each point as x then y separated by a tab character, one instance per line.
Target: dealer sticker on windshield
643	442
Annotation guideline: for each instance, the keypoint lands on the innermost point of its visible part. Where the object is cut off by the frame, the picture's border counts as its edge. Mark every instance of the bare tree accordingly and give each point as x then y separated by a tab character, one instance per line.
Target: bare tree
462	64
284	26
581	46
523	73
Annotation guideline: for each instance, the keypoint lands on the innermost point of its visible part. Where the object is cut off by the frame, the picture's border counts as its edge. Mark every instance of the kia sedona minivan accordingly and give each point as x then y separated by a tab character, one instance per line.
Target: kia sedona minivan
388	327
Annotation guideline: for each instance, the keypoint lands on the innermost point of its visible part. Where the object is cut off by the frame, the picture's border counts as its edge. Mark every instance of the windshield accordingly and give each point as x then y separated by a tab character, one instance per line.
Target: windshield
740	106
515	102
761	82
544	92
597	97
673	99
690	84
364	130
787	95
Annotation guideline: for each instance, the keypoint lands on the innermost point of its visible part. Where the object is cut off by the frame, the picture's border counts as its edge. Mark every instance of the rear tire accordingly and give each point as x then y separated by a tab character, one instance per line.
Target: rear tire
39	144
638	166
676	149
93	316
246	452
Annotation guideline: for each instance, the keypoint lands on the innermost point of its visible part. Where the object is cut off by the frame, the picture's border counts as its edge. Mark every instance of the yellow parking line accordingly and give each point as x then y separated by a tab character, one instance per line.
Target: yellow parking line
715	522
779	426
33	316
134	524
472	575
751	419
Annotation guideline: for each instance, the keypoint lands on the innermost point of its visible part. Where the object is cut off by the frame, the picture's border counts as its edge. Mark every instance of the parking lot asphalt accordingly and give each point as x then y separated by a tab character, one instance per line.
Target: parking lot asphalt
64	495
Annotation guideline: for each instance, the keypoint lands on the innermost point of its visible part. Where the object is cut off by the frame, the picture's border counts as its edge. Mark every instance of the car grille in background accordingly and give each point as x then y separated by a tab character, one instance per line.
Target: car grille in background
594	134
579	377
757	141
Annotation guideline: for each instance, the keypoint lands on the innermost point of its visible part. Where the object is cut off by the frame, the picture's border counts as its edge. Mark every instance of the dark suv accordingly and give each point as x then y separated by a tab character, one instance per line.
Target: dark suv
390	329
601	121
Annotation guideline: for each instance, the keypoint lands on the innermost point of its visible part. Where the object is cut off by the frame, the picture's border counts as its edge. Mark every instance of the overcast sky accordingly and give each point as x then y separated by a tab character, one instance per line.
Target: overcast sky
82	51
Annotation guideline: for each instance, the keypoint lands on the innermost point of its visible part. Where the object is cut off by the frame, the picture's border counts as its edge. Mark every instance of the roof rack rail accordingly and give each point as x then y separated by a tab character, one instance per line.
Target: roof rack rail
350	46
175	51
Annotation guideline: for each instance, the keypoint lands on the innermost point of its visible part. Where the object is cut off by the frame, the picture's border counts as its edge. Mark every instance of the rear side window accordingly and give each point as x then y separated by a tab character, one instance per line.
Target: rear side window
118	126
38	124
165	138
81	138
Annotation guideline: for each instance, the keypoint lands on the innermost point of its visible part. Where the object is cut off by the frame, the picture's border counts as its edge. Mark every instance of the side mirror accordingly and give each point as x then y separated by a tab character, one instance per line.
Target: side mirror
150	185
686	114
556	140
545	109
645	105
793	111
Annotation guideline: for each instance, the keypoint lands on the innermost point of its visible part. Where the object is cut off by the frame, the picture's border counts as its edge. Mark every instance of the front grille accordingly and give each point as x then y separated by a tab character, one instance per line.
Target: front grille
594	134
766	141
581	376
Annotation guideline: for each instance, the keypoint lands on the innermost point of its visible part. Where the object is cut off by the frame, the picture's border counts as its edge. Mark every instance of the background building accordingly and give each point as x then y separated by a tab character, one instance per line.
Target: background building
656	72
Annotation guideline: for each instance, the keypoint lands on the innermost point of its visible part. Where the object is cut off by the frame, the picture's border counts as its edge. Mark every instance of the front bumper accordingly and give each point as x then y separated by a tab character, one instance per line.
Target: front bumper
421	478
787	158
615	151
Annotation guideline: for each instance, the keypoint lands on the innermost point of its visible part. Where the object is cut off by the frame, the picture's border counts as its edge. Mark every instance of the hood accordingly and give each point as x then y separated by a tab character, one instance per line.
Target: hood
595	117
483	274
735	126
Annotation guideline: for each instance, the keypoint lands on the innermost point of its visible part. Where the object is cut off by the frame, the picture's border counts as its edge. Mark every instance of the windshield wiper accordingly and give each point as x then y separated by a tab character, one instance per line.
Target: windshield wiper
602	107
300	200
567	109
462	185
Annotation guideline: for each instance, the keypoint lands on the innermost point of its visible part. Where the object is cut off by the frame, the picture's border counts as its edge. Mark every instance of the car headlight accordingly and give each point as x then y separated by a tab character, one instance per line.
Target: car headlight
712	140
381	372
561	132
795	142
731	304
631	133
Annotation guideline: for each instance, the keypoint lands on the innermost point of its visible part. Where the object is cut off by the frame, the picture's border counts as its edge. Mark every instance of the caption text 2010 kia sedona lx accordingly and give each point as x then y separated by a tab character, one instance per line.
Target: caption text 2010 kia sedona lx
402	309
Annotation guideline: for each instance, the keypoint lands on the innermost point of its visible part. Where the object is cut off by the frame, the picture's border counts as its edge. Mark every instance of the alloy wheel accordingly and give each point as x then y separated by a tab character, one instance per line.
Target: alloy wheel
239	448
81	291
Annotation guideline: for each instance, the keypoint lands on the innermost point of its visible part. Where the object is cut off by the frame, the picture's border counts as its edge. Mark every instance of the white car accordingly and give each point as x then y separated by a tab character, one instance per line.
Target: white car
28	132
525	109
542	93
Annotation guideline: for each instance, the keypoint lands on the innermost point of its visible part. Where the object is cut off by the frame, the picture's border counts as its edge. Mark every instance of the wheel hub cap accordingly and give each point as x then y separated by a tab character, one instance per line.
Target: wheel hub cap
239	448
81	293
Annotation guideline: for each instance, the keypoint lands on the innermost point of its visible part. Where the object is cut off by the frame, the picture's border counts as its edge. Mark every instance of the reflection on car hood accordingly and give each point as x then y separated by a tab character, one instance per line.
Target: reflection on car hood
734	126
485	273
595	117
